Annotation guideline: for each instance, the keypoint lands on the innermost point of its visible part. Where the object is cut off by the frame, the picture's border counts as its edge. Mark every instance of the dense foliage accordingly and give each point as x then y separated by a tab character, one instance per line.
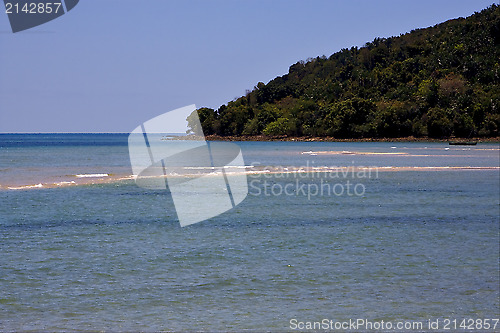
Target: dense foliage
439	82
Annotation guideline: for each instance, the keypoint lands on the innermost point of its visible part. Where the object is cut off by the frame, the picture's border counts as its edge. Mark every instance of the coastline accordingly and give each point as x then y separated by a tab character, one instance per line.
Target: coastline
332	139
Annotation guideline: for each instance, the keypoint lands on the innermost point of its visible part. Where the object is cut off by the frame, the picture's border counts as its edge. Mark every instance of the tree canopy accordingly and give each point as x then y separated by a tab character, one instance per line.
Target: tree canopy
438	82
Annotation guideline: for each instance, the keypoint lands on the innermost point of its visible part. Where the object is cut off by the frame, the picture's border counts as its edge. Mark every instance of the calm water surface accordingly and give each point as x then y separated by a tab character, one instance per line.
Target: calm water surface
111	256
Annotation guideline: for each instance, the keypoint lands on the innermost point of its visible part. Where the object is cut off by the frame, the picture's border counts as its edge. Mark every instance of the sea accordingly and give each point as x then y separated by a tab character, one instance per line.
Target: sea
329	233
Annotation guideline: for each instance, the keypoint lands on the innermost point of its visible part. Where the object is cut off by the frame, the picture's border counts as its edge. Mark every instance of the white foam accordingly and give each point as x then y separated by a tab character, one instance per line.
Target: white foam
238	166
199	168
25	187
92	175
65	183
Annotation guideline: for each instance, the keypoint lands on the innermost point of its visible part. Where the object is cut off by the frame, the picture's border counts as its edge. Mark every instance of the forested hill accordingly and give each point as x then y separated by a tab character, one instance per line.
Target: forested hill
438	82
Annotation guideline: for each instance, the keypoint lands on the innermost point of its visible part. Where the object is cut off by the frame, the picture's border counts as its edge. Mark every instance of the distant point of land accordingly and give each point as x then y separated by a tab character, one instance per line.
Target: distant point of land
332	139
437	83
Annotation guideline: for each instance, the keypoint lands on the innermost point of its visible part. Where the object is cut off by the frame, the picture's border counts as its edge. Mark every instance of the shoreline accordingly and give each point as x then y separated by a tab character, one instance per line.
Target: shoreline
253	172
332	139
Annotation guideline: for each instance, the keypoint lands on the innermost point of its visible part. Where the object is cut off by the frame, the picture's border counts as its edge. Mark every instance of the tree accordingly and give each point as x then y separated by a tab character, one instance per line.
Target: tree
438	123
278	127
439	81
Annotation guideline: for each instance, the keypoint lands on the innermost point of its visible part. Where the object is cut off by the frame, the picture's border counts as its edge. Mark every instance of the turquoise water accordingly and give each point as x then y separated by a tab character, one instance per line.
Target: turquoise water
417	244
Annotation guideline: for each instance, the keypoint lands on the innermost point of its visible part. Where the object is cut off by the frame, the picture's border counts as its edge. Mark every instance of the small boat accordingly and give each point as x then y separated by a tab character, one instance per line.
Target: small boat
463	143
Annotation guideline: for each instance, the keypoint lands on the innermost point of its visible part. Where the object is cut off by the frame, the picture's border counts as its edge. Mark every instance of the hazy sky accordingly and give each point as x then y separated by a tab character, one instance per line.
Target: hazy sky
109	65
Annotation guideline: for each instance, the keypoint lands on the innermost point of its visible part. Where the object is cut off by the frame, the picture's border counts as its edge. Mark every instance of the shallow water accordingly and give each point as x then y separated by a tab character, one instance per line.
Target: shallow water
414	245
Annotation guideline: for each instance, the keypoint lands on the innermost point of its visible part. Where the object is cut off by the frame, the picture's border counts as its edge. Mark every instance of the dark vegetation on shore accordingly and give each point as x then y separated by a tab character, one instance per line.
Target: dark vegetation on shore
306	138
437	82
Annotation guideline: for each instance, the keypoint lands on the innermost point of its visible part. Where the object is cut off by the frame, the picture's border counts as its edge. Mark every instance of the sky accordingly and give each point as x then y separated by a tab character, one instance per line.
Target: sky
110	65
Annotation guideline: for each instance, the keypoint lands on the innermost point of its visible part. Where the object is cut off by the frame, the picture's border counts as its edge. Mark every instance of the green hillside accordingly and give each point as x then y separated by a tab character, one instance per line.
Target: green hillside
438	82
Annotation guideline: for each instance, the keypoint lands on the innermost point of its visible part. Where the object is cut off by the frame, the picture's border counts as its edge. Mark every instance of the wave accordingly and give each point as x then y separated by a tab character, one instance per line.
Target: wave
89	180
25	187
65	183
404	154
92	175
